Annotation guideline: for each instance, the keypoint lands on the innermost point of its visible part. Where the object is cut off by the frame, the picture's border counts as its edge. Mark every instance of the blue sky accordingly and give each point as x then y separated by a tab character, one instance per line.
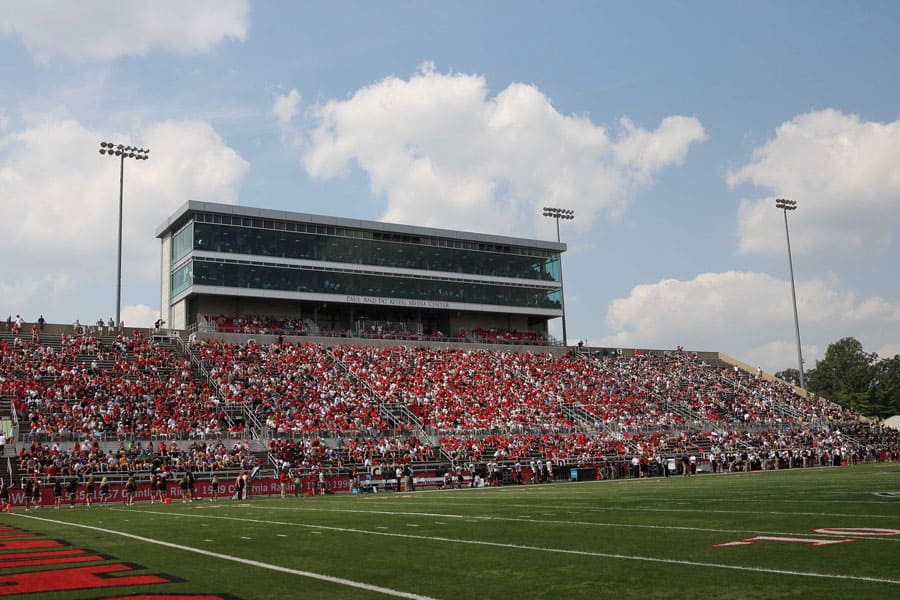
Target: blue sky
670	127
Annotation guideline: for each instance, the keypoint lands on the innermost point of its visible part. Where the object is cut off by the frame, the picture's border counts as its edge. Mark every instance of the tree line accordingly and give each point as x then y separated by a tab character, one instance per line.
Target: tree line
854	378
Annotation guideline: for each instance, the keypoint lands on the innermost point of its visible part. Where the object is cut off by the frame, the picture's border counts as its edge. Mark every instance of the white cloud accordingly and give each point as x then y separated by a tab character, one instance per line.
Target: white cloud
285	106
443	153
60	199
98	29
19	288
139	315
841	170
749	316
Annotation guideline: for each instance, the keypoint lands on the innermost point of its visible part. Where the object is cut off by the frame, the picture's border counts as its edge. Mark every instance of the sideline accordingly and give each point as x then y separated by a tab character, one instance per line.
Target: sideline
626	557
243	561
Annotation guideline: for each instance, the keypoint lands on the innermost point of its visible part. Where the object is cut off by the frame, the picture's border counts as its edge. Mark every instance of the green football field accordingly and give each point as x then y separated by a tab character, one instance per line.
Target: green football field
830	532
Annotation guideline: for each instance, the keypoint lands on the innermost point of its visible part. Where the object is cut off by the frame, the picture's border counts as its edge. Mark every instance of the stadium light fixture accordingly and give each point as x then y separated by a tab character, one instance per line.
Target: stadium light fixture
566	215
121	152
786	205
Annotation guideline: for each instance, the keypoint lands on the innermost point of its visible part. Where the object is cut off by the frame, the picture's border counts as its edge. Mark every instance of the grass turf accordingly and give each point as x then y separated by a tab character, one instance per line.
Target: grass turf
617	539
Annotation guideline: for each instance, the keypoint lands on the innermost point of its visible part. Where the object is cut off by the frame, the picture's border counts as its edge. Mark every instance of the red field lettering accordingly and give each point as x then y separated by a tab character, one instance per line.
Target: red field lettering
12	532
19	559
60	560
77	578
28	544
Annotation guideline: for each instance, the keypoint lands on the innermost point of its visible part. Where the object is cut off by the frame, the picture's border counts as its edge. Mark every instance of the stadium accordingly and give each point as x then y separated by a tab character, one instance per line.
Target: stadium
349	408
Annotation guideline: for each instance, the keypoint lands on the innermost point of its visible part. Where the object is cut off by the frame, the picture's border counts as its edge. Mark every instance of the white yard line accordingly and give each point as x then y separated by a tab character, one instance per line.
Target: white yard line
524	519
243	561
745	512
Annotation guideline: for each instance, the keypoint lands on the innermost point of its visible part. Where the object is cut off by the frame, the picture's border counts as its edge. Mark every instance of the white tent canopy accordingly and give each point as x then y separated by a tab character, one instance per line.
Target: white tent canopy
893	422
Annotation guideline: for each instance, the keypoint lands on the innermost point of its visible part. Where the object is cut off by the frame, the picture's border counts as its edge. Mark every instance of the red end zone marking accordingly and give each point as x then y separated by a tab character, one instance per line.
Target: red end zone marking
72	578
9	532
26	544
60	560
862	531
77	578
769	538
42	554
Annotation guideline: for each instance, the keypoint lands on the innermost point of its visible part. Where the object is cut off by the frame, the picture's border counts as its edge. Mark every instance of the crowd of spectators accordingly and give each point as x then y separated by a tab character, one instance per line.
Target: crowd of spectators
576	447
369	453
73	386
291	389
453	389
766	401
251	325
512	403
402	332
85	458
345	405
676	390
802	446
506	336
382	330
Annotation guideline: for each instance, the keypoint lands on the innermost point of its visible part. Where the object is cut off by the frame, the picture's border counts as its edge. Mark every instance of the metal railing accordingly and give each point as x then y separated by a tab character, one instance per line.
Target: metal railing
246	412
394	412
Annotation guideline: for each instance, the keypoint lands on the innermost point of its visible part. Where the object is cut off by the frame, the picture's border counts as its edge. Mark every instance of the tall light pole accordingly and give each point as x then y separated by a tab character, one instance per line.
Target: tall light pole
122	152
787	205
565	214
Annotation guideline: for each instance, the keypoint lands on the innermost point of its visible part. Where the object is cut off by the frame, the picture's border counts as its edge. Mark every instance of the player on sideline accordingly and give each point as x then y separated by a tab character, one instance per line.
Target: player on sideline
253	475
161	487
239	486
72	489
104	491
130	489
89	491
4	497
57	492
184	484
26	489
36	494
191	482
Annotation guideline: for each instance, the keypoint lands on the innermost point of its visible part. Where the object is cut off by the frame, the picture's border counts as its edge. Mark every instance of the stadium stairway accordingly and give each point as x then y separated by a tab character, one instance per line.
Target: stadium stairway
395	413
237	415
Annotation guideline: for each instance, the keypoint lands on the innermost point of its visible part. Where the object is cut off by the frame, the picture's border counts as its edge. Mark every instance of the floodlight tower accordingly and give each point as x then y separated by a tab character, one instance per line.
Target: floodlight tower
787	205
122	152
568	215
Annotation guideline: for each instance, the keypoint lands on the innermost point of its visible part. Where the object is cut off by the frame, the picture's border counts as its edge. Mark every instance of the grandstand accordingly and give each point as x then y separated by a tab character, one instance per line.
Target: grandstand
343	350
117	403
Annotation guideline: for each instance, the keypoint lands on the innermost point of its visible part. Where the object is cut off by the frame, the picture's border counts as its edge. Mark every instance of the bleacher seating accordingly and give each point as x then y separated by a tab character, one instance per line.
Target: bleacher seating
356	406
69	387
451	390
291	388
